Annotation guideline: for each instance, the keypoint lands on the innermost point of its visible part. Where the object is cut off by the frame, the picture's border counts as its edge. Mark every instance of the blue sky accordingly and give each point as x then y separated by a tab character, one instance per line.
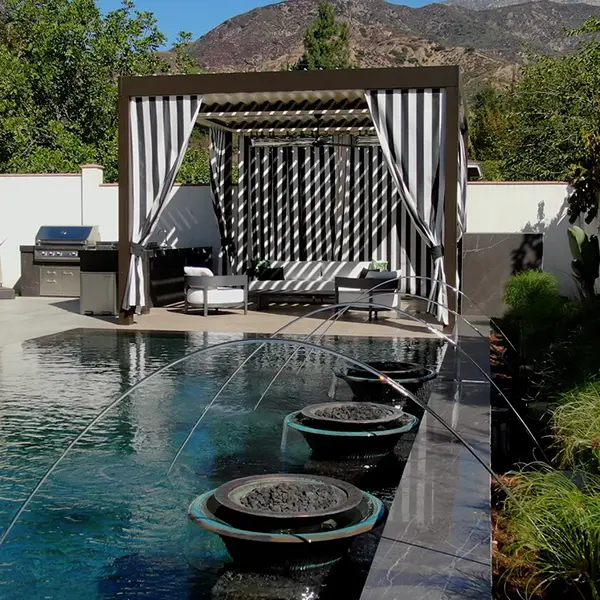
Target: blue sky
200	16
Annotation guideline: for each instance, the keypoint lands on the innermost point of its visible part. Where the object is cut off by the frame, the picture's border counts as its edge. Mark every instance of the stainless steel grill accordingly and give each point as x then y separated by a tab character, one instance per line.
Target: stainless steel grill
62	244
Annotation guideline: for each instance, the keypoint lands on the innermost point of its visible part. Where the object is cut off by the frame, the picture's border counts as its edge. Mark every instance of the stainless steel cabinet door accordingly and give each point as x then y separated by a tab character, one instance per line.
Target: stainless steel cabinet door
60	282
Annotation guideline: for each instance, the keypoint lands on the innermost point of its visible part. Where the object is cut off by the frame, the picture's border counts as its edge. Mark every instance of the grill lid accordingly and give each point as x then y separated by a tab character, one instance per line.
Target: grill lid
70	234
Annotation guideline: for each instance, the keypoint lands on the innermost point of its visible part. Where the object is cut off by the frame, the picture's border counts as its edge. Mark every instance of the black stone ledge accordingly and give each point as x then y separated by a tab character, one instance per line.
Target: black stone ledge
472	337
436	544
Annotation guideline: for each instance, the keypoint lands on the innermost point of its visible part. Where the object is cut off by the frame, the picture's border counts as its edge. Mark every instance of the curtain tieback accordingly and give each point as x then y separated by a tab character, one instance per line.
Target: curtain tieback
136	249
436	252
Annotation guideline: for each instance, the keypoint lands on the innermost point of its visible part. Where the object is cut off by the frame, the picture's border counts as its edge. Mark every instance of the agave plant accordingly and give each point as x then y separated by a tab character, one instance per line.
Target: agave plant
586	259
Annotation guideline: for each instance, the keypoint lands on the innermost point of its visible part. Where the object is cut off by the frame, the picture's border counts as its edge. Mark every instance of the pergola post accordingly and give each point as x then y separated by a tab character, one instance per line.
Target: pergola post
125	316
451	200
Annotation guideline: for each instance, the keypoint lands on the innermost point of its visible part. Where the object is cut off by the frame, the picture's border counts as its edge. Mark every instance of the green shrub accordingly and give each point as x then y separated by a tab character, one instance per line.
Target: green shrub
576	427
492	170
573	358
556	527
527	291
399	56
536	311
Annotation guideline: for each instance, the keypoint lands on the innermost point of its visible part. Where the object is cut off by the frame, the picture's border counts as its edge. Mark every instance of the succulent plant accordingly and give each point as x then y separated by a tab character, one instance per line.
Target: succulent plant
586	259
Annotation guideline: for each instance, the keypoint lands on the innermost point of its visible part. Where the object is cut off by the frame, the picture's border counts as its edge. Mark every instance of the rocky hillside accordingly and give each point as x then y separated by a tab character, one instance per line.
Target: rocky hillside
485	4
485	43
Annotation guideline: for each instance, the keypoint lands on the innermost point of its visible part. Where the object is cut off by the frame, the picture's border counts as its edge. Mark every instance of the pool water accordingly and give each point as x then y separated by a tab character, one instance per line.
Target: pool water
109	523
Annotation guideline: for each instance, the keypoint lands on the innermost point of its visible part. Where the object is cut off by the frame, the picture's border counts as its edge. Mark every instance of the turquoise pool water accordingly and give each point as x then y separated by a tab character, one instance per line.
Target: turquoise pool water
109	523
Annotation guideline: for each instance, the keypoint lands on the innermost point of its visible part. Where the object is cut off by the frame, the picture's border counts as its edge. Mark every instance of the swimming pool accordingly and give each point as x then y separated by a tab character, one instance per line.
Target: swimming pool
109	523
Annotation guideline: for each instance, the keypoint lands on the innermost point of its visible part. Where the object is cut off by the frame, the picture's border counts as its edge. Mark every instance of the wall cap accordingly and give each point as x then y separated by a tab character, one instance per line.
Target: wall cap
40	174
563	183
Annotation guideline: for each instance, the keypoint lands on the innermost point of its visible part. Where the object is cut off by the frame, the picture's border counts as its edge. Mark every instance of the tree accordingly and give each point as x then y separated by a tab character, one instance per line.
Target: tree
487	128
326	43
553	105
546	126
184	62
60	62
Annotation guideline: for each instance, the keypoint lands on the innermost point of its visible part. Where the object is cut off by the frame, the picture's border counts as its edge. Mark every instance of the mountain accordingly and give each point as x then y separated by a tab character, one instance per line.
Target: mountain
487	44
485	4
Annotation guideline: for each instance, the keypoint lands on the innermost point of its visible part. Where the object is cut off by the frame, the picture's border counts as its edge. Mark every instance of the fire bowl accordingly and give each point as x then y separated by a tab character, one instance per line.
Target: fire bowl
286	551
285	501
370	442
366	386
348	416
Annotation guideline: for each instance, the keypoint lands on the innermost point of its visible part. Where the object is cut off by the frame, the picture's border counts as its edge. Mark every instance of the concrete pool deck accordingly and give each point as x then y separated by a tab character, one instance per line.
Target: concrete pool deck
24	318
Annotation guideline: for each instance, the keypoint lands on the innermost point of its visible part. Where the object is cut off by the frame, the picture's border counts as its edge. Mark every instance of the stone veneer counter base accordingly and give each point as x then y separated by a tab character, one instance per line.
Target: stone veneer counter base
7	293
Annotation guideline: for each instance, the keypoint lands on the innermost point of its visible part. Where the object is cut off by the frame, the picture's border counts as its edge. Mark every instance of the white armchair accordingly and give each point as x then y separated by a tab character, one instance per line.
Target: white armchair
208	291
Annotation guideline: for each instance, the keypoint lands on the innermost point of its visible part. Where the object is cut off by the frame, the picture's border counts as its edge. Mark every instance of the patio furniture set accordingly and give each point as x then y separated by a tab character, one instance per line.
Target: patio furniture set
301	281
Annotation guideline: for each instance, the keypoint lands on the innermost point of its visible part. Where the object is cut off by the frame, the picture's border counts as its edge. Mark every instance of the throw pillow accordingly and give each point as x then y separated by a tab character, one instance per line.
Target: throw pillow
198	272
272	274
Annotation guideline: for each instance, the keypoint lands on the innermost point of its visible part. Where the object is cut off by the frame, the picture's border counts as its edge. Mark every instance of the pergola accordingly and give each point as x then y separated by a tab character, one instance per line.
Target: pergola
400	199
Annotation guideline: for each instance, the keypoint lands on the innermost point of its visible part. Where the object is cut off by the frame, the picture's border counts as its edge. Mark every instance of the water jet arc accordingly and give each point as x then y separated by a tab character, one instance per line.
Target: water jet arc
400	389
405	313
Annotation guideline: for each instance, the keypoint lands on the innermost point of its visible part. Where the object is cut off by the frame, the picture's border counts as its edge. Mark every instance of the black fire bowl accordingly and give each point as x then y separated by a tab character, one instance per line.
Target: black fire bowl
344	498
367	387
286	552
365	444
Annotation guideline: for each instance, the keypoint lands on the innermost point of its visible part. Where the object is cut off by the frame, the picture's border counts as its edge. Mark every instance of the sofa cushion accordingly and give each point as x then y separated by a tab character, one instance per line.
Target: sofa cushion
331	270
299	285
296	270
346	296
197	272
216	297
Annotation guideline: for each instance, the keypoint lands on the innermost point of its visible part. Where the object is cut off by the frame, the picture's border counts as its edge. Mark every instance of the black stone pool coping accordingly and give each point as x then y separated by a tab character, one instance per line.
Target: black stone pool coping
436	544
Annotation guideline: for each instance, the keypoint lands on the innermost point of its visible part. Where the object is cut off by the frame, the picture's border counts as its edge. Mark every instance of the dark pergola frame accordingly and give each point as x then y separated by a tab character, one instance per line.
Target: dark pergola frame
446	77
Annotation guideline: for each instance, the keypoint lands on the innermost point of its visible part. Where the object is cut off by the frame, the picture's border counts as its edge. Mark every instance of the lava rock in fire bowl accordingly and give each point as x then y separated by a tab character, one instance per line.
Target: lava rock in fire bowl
286	501
367	386
286	522
351	430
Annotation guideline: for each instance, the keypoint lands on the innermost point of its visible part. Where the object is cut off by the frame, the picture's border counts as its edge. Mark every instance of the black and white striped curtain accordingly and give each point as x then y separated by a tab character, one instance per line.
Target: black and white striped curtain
331	203
343	186
410	125
160	129
221	165
286	203
463	141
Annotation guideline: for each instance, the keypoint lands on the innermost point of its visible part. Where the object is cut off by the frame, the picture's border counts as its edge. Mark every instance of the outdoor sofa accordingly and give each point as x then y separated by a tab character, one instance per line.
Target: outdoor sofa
339	282
303	279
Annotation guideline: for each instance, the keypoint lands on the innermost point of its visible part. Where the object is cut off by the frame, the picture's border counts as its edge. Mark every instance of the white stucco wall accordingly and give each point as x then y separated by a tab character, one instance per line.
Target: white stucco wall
26	203
537	207
29	201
